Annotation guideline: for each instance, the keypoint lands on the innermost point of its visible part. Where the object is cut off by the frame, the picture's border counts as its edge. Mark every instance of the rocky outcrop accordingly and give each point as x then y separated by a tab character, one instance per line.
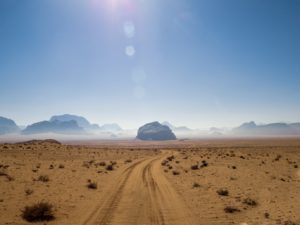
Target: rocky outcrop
156	132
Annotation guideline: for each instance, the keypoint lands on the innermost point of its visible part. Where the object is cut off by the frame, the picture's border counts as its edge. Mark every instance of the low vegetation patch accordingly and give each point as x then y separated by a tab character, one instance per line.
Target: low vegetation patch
43	178
175	172
194	167
223	192
196	185
110	167
250	202
42	211
231	209
29	191
92	185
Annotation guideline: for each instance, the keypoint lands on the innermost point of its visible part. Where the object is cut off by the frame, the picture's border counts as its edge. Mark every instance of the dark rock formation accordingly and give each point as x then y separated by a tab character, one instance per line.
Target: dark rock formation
155	131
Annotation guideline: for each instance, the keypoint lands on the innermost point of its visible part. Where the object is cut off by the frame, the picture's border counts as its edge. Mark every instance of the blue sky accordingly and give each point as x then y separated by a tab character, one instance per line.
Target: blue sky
198	63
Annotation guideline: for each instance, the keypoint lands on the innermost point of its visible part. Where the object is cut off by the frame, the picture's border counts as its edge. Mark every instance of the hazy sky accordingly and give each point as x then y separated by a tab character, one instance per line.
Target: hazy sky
198	63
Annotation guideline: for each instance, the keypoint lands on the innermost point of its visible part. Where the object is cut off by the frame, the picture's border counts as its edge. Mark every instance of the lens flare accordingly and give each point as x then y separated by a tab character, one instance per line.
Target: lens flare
130	50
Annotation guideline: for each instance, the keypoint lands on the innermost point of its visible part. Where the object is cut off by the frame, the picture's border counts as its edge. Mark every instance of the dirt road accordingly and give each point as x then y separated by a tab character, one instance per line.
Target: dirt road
141	195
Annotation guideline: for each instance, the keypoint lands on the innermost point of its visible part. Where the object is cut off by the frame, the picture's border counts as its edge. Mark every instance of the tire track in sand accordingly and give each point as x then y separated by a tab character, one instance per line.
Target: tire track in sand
141	195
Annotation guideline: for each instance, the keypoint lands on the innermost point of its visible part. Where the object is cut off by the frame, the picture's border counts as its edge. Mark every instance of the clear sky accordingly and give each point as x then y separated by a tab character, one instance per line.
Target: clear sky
198	63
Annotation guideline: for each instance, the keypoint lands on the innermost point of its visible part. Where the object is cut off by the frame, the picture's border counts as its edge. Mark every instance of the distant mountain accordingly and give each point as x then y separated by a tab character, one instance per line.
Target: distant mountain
176	129
112	127
81	121
8	126
64	127
155	131
252	128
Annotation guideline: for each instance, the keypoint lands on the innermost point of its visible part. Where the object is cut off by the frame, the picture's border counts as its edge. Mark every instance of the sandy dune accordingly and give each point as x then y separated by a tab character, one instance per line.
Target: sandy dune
171	183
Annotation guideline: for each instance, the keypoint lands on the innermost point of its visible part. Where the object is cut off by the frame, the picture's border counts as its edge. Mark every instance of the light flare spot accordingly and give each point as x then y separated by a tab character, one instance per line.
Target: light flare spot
130	50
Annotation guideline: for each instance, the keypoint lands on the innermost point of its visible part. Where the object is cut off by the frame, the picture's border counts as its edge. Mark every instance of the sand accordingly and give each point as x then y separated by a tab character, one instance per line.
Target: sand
243	182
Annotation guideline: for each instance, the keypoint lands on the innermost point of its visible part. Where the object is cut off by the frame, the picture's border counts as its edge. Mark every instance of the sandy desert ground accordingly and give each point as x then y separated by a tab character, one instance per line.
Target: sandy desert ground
205	182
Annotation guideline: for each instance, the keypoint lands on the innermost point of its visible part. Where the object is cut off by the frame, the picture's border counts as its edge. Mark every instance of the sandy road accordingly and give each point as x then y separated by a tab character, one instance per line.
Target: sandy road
141	195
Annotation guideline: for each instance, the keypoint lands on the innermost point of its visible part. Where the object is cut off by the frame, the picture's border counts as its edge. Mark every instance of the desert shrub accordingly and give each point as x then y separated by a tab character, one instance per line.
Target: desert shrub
42	211
204	163
92	185
175	172
113	163
165	162
102	163
43	178
110	167
196	185
28	191
267	215
170	158
223	192
249	201
194	167
128	161
231	209
61	166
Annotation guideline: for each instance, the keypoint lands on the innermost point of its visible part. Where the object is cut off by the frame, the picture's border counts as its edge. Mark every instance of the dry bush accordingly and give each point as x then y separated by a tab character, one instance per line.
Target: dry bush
194	167
43	178
110	167
231	209
196	185
164	162
170	158
249	201
42	211
92	185
61	166
223	192
102	163
175	172
28	191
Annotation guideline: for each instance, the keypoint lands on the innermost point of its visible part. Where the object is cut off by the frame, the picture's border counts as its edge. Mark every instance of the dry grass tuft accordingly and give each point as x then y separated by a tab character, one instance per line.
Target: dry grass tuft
42	211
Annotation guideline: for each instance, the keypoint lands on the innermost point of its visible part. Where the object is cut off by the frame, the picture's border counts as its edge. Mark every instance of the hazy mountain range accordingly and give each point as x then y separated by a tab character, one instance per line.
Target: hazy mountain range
60	124
252	128
73	124
8	126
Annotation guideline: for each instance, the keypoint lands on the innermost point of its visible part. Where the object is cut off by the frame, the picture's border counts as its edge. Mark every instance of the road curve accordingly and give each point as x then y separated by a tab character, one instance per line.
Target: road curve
141	195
